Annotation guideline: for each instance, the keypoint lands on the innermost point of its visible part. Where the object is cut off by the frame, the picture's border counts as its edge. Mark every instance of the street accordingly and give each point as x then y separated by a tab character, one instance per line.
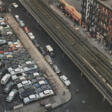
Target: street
85	97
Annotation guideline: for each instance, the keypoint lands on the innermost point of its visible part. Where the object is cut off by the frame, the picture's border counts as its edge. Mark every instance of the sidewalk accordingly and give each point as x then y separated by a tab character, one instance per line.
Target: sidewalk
62	93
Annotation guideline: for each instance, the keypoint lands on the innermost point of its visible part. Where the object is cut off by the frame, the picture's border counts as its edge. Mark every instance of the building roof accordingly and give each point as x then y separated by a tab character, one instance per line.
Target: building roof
107	3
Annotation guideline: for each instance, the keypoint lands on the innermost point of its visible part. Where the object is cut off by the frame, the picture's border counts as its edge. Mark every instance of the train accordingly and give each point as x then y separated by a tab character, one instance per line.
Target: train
71	11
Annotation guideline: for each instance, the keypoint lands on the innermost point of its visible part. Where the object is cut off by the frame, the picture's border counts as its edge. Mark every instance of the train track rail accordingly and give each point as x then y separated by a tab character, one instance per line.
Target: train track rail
91	54
88	59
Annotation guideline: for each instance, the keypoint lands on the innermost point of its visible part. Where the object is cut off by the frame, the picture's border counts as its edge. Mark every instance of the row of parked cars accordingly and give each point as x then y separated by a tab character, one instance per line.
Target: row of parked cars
25	28
19	75
47	52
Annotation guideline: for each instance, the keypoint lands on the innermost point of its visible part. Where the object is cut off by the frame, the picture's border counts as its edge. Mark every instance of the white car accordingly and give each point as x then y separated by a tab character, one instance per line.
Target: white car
22	78
29	62
19	85
15	5
50	50
30	34
42	95
21	23
42	82
32	97
11	95
36	74
14	77
26	100
65	80
17	18
48	92
9	33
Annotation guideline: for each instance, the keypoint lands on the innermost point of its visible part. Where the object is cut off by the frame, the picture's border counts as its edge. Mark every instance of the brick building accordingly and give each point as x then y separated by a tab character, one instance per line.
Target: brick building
97	16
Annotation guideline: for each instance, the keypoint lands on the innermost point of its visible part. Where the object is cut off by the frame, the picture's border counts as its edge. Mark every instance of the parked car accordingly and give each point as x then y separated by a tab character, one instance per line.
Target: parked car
42	82
48	106
49	59
37	96
15	5
32	97
17	18
26	100
14	77
41	49
21	23
35	74
8	87
3	42
36	85
48	92
11	95
30	34
36	44
20	85
5	79
42	95
26	29
9	33
56	69
1	19
50	50
65	80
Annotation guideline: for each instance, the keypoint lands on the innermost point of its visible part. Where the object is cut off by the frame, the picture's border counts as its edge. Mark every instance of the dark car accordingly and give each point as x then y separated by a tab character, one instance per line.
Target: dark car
8	87
41	49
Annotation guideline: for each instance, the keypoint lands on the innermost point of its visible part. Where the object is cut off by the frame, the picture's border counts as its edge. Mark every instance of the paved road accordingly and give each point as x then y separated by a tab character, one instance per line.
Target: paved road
86	91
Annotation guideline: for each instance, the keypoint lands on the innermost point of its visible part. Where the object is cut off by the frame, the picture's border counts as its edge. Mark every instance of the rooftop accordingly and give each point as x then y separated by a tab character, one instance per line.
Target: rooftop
107	3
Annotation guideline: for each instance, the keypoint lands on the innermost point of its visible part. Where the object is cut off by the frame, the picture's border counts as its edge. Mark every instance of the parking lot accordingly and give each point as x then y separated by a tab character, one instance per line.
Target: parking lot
80	85
21	79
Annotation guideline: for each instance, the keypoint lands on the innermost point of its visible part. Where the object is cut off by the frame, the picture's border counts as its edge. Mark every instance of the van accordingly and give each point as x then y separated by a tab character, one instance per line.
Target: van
50	50
5	79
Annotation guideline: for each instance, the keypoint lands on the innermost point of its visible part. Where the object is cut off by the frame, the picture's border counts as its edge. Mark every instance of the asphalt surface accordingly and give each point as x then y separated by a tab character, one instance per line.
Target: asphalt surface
85	98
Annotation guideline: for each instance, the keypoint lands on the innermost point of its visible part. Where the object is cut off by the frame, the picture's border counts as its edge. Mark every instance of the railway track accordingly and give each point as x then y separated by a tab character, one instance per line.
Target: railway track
71	43
91	54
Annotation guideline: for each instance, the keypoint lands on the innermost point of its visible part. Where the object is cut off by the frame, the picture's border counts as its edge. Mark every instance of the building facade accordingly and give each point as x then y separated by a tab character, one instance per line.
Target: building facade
97	16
